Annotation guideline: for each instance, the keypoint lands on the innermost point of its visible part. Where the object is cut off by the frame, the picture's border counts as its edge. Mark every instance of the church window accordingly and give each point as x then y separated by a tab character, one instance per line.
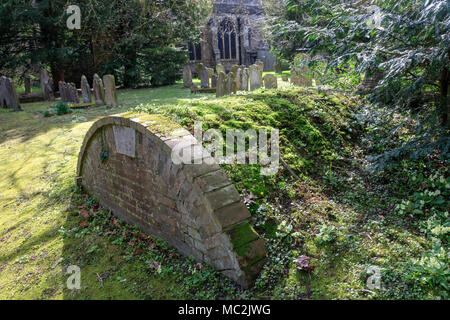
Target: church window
227	40
195	51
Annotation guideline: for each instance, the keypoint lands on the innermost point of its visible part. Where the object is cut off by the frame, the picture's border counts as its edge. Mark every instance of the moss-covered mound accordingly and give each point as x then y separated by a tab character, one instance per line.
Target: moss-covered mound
316	128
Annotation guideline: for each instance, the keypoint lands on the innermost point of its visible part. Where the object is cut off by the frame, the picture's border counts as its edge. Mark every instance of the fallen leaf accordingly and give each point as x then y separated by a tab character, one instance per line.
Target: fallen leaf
84	224
302	263
154	265
136	252
84	213
248	199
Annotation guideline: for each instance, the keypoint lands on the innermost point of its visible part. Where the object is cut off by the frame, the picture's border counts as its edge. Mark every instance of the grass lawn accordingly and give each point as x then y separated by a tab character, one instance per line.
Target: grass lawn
336	214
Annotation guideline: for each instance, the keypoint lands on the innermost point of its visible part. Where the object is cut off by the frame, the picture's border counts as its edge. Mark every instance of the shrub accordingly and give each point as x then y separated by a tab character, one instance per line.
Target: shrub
163	65
62	108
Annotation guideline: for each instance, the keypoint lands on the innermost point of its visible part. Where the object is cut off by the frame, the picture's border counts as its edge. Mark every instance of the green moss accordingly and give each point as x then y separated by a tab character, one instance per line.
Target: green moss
156	123
241	235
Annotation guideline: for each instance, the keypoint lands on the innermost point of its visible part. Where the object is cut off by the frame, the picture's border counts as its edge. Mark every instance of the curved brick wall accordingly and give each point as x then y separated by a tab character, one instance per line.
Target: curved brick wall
125	161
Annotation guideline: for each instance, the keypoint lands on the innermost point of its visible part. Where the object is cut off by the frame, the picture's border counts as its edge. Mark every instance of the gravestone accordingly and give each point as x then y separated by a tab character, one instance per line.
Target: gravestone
270	81
46	86
204	78
74	93
85	90
213	81
8	94
194	88
110	90
278	68
284	77
187	77
230	84
244	79
27	84
190	204
99	90
199	69
300	77
221	84
234	68
210	72
255	77
62	91
220	68
237	79
370	82
260	65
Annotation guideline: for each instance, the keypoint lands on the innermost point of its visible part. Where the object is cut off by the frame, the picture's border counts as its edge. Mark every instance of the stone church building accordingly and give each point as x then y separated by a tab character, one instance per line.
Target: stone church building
233	35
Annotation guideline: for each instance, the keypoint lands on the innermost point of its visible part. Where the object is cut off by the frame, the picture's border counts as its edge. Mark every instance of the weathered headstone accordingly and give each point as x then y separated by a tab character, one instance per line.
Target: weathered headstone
221	84
204	78
194	88
270	81
234	68
27	84
230	86
300	78
220	68
194	207
8	95
213	81
284	77
187	76
46	85
370	82
278	68
72	93
244	80
110	90
99	90
260	65
237	78
210	72
62	91
255	77
200	67
85	90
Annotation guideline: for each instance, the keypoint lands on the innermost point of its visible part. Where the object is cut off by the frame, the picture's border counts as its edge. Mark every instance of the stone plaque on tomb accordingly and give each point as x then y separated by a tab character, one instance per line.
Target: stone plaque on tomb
125	139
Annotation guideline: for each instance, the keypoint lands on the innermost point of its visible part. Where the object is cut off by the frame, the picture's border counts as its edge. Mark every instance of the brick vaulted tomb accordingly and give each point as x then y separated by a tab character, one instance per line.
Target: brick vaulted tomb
125	161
